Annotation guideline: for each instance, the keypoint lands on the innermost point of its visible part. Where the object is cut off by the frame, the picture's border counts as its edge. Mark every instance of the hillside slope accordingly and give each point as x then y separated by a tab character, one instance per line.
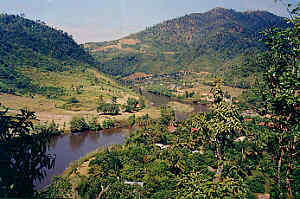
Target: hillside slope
25	44
46	71
197	42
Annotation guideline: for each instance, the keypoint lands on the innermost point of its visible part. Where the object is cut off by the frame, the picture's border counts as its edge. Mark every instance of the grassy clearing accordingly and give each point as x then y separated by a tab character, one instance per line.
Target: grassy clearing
82	90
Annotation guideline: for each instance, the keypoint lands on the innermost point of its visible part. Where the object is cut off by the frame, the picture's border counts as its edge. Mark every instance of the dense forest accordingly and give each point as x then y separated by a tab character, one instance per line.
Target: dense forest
214	41
25	43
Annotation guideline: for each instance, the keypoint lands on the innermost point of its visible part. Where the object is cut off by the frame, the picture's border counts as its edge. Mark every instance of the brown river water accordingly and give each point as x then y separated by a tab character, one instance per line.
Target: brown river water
70	147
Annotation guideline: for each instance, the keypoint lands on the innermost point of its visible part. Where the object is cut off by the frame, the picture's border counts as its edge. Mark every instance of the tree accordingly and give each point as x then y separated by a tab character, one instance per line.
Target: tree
131	105
109	109
23	154
167	115
281	99
224	126
199	185
78	124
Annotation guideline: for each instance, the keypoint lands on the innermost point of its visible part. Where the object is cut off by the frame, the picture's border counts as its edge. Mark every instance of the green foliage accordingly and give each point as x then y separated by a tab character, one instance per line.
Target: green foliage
189	95
107	124
59	188
167	115
114	100
143	120
220	40
141	102
161	90
281	100
51	128
23	154
94	125
108	109
25	43
197	185
131	105
131	120
78	124
257	184
123	65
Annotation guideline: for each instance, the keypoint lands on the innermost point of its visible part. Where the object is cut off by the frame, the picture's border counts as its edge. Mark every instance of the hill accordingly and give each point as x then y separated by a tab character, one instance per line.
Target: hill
46	71
25	43
196	42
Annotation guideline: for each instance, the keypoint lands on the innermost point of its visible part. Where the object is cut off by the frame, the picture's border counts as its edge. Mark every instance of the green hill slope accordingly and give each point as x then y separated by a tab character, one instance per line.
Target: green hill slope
46	71
25	43
197	42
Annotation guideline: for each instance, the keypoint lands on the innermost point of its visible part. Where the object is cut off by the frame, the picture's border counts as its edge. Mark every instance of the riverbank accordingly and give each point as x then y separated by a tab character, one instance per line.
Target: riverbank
46	110
81	147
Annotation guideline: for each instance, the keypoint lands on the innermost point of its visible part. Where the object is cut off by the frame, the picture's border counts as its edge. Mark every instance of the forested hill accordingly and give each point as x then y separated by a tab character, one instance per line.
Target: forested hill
25	43
219	29
198	42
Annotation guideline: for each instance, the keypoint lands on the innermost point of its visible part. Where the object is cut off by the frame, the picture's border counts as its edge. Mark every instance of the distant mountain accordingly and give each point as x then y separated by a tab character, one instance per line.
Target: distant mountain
197	42
25	43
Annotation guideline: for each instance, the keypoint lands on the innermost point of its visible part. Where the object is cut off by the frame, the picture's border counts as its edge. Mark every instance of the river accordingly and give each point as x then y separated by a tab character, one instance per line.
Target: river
72	147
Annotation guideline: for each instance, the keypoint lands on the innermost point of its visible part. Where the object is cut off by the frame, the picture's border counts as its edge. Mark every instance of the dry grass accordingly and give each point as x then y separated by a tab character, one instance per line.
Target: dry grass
46	111
92	84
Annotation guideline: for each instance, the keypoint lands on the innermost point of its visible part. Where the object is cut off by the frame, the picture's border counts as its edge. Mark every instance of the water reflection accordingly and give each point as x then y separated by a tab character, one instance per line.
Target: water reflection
76	140
158	100
93	137
72	147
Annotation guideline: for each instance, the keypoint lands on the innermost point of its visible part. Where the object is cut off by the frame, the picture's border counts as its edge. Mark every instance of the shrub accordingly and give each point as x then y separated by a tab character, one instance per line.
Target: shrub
94	125
78	124
257	184
107	124
109	109
59	188
52	128
131	105
131	120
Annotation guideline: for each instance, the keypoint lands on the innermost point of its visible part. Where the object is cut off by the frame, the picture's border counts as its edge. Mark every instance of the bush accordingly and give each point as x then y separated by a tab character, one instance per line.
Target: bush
131	105
78	124
107	124
52	128
59	188
94	125
131	120
257	184
109	109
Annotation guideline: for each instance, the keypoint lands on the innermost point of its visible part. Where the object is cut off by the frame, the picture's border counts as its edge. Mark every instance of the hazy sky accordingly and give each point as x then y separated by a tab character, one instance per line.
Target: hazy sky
100	20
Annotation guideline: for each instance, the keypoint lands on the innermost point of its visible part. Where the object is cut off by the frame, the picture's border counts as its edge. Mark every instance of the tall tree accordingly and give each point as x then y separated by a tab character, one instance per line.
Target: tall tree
225	125
281	102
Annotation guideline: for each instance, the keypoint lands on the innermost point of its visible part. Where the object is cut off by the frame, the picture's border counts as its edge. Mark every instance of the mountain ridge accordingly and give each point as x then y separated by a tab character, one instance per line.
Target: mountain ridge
196	42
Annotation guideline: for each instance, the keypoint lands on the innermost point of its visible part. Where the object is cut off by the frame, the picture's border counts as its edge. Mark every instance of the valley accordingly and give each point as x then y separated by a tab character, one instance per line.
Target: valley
200	106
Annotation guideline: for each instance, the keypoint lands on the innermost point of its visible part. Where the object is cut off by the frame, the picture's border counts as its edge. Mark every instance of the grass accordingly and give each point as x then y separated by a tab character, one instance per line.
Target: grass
61	109
84	85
